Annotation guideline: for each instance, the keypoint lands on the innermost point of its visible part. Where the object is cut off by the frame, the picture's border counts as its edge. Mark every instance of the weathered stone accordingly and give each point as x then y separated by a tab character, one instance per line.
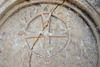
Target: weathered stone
39	36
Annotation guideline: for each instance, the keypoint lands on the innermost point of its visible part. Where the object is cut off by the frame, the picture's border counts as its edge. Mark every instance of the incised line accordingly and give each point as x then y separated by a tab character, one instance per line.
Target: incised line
41	33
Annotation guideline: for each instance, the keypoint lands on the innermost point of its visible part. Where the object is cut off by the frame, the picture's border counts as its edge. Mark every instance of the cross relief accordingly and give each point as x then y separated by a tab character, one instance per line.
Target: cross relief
46	30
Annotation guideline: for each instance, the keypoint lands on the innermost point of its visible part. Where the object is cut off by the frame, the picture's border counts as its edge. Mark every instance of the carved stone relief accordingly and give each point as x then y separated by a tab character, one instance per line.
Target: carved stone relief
39	36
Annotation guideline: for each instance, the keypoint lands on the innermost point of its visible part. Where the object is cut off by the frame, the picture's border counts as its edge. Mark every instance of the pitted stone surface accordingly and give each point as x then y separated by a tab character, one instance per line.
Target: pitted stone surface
65	40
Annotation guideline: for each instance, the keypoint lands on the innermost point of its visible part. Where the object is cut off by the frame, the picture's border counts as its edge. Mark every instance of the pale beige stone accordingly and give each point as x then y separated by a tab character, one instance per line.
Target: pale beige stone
34	36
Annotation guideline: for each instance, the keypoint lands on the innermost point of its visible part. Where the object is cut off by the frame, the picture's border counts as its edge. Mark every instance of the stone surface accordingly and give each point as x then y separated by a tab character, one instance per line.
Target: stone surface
96	4
36	37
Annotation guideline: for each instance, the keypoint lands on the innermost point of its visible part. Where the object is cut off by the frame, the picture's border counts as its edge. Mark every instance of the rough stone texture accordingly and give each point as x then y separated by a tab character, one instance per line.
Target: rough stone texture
67	41
96	4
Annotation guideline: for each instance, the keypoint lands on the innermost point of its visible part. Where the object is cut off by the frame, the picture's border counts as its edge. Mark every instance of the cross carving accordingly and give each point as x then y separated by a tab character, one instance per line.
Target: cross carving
45	32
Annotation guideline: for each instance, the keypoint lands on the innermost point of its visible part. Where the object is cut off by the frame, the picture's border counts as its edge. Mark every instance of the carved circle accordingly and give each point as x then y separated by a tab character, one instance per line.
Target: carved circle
48	48
70	51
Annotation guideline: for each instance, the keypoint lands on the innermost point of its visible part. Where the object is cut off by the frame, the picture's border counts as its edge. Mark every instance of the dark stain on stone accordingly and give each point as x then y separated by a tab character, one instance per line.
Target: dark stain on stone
85	57
91	62
97	3
1	39
45	9
28	0
37	4
0	51
3	33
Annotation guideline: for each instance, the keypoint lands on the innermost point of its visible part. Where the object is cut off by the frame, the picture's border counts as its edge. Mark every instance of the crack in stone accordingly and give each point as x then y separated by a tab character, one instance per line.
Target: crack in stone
41	33
36	41
30	60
